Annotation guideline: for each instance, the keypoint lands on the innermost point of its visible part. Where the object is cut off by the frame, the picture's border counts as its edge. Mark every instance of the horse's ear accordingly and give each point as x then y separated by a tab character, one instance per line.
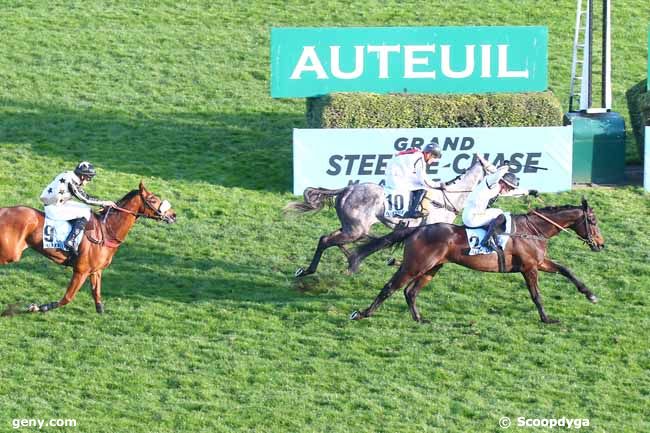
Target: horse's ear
585	206
142	188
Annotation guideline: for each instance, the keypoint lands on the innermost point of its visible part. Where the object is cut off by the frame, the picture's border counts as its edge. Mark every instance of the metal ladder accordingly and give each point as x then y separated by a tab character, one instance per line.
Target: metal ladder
581	46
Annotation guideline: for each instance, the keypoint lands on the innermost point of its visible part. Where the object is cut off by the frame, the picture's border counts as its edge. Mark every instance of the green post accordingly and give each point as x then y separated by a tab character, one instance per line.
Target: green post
598	146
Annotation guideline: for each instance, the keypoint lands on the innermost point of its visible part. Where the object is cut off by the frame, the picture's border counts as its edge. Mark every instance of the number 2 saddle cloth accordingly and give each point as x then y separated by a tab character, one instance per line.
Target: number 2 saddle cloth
475	236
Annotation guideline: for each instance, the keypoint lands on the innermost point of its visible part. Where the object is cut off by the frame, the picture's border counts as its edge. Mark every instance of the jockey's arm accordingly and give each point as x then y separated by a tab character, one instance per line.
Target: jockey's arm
493	178
520	192
81	195
489	167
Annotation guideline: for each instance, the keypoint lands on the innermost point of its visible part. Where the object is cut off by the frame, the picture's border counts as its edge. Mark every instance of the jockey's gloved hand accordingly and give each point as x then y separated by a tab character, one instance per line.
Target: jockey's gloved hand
533	192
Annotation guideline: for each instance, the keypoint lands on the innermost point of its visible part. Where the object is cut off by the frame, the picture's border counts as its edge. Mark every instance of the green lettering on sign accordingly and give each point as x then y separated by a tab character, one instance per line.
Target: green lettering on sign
316	61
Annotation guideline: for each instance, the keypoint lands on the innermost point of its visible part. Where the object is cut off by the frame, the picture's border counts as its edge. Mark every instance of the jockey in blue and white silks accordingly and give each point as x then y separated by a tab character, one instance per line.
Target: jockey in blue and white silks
477	210
59	204
407	172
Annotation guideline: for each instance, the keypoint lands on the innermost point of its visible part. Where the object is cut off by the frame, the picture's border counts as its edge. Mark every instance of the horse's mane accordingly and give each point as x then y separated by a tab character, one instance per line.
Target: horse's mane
553	209
461	176
121	201
128	196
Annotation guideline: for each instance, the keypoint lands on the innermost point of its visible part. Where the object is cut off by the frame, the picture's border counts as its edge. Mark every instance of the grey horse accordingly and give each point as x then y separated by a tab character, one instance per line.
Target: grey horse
360	206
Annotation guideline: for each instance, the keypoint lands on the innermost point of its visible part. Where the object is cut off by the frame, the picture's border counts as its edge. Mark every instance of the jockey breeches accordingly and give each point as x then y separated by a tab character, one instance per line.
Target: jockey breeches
480	218
69	211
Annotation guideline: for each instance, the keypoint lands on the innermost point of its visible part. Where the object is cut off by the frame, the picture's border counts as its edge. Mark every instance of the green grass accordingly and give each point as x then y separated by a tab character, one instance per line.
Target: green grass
206	329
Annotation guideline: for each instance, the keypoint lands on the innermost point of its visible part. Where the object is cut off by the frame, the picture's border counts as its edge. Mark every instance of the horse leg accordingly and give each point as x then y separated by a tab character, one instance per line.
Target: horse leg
550	266
96	283
345	251
336	238
78	279
400	278
531	281
412	291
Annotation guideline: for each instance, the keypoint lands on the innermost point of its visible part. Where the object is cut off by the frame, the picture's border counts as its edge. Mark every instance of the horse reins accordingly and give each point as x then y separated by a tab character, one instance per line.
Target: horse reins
447	203
115	241
589	241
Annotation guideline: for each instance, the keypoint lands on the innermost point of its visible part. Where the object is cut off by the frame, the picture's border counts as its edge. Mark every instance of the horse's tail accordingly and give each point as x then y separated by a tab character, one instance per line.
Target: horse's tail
314	200
376	244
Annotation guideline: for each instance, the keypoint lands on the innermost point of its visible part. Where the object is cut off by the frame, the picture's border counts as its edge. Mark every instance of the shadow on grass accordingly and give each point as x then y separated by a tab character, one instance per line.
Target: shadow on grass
633	96
208	147
143	273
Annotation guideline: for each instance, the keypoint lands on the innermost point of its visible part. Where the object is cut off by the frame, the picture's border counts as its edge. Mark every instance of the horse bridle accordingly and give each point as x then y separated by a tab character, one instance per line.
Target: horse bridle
159	214
589	240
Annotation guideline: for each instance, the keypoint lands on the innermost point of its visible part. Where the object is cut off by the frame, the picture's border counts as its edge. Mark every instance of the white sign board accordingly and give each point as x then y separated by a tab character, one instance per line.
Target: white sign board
333	158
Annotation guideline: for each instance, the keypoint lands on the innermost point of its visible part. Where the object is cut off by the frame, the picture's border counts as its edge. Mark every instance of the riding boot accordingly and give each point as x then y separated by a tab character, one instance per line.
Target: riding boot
496	227
78	226
414	202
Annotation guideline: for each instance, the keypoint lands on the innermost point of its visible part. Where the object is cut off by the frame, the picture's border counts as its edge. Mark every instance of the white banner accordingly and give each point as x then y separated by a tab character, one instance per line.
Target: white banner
333	158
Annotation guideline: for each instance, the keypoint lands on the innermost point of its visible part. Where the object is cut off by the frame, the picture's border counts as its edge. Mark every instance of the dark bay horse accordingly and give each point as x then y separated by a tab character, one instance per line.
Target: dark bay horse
428	248
360	206
21	227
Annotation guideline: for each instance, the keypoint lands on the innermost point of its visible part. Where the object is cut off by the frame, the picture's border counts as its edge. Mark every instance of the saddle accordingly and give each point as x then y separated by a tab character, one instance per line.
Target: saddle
93	230
95	233
476	234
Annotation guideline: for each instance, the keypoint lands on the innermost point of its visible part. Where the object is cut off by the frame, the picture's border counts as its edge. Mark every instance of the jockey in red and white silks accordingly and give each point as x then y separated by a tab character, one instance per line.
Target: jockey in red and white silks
407	172
477	212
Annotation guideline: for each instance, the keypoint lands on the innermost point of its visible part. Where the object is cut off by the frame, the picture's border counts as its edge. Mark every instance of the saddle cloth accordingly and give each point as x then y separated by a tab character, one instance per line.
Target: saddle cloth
396	202
55	232
475	236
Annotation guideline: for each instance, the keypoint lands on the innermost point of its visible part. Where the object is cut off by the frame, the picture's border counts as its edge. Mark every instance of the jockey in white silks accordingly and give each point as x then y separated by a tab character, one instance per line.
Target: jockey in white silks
57	198
407	172
477	212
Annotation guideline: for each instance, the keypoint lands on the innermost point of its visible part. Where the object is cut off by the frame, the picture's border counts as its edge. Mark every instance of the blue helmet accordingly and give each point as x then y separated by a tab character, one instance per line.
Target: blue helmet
511	180
434	149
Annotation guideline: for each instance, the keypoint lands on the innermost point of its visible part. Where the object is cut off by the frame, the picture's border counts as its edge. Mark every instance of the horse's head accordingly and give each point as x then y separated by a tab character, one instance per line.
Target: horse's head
587	228
468	179
154	207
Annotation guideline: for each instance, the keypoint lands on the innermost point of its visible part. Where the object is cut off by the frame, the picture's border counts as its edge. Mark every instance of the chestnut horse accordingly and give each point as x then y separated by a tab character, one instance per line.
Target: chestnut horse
427	248
22	227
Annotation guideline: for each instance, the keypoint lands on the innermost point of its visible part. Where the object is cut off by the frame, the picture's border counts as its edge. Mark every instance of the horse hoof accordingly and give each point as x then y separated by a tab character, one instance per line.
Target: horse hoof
47	307
299	272
33	308
550	321
99	308
355	315
390	261
593	299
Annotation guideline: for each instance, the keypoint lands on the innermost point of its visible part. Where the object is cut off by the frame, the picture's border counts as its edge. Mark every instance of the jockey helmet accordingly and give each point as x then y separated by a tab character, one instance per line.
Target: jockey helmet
511	180
85	168
434	149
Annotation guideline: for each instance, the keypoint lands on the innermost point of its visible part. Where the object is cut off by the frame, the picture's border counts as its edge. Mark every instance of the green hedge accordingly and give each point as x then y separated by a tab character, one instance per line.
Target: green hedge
638	102
366	110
